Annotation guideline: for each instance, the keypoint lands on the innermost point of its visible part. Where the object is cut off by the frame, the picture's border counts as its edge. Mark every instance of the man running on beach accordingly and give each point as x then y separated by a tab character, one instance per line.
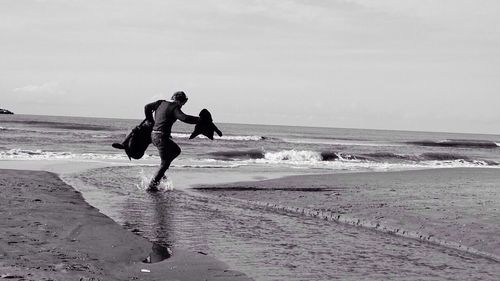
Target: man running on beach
165	115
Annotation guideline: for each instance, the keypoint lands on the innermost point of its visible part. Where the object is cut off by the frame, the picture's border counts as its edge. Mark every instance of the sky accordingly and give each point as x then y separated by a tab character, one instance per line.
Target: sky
426	65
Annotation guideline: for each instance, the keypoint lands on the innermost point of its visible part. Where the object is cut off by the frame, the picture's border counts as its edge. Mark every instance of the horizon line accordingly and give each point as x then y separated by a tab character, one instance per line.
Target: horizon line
282	125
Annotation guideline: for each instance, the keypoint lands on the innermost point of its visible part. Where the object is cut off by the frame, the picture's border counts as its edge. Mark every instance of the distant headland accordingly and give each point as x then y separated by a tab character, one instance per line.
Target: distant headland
5	111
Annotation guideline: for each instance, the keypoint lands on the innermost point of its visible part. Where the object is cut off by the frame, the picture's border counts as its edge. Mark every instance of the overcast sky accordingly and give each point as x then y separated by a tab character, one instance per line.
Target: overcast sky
429	65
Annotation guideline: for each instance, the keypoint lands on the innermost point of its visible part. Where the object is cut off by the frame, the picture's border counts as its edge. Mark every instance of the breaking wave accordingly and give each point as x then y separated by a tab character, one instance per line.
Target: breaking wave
300	158
314	157
289	158
457	143
284	155
310	156
26	154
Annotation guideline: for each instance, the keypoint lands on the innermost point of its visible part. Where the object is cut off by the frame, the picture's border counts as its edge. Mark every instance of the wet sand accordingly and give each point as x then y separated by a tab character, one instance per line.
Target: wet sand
454	208
48	232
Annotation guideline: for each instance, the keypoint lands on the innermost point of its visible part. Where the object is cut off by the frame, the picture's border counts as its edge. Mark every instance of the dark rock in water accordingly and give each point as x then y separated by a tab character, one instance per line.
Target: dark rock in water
5	111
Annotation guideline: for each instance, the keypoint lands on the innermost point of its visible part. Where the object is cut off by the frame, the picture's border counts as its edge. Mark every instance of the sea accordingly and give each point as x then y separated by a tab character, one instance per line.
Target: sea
261	242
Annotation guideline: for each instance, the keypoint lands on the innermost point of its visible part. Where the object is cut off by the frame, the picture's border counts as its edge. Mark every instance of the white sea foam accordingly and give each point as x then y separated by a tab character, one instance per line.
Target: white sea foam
165	185
112	159
241	138
304	156
26	154
297	159
345	162
293	156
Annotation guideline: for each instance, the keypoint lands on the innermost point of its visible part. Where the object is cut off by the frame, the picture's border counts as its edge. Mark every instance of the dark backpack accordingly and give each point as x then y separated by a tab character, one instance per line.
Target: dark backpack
136	143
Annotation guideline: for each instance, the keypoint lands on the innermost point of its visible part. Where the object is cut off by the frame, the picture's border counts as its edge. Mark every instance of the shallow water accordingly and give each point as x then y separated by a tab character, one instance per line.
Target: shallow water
264	243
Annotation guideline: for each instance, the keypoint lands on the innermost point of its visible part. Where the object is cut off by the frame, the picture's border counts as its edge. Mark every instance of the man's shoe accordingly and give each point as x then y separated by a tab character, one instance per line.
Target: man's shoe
152	189
153	186
118	145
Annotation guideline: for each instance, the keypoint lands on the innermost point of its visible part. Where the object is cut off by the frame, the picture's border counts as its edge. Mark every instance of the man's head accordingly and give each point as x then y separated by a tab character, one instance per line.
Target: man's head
180	97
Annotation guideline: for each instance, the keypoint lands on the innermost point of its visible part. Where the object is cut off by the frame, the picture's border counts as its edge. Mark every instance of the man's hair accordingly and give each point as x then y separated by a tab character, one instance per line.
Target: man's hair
179	96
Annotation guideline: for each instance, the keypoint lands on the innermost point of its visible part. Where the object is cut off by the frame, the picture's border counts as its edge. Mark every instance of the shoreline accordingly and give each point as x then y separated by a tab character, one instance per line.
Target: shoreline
450	207
49	232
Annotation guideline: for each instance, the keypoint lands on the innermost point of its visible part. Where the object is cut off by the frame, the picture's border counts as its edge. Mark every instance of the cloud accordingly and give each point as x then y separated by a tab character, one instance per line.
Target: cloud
396	56
52	88
50	92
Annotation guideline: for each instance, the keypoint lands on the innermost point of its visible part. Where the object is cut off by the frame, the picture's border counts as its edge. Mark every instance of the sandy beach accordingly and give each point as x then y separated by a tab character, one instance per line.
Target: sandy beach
454	208
48	232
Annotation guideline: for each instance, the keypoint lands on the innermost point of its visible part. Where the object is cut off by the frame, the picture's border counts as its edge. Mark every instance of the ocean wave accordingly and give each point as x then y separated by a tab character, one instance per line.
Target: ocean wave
228	138
310	156
294	156
286	158
456	143
64	125
284	155
237	154
102	136
336	160
381	156
17	130
303	156
443	156
49	132
201	166
26	154
339	142
428	156
366	165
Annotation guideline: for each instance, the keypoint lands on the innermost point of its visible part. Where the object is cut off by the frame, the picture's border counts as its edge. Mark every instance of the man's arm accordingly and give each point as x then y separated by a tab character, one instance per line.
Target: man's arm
185	118
150	108
217	130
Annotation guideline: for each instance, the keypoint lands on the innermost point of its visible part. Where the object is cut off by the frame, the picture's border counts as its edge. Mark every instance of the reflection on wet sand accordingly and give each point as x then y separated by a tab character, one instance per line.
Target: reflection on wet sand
156	224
